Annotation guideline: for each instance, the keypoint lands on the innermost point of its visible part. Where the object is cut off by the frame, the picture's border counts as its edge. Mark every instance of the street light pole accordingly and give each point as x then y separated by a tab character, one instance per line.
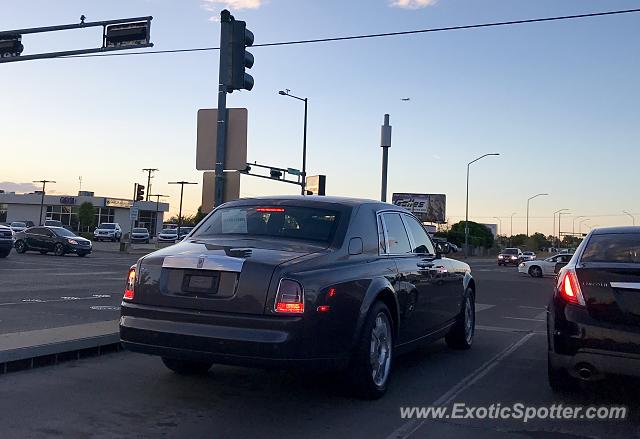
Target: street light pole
633	218
528	200
499	225
511	237
155	226
181	183
466	216
554	221
44	185
573	227
559	228
580	224
304	138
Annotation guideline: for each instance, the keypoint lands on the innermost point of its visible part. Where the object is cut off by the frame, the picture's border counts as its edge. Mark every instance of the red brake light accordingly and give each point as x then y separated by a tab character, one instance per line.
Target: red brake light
270	209
569	288
290	297
131	280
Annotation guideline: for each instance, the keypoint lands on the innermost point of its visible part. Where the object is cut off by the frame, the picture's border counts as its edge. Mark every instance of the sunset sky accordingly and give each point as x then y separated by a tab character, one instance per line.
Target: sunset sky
558	101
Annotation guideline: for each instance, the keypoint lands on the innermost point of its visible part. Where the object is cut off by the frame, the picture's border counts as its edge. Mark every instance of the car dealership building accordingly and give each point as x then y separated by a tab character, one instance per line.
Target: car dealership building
64	208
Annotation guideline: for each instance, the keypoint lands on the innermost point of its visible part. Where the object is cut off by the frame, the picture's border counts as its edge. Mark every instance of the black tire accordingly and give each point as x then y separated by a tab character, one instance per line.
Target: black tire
20	246
58	250
559	379
535	271
461	334
361	370
186	367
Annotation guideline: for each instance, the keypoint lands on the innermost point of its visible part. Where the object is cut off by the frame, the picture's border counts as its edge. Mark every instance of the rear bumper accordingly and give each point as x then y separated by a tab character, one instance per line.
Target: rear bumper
577	340
253	341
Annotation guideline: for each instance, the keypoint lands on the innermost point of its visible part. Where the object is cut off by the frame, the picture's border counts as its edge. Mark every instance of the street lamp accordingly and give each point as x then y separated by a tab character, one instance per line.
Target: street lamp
155	225
559	229
580	224
304	139
499	225
44	185
181	183
633	218
466	218
573	227
554	220
531	198
511	237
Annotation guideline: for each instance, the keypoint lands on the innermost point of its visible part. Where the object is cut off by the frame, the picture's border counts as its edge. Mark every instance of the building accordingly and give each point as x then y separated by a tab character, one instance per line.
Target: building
64	208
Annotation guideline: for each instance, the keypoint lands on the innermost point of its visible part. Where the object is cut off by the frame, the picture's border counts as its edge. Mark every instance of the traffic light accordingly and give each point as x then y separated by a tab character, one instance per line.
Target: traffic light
130	34
234	58
139	192
275	173
10	45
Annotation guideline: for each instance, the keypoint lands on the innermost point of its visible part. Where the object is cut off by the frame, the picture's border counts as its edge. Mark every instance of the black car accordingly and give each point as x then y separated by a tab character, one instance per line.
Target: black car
510	256
58	240
299	282
6	241
593	322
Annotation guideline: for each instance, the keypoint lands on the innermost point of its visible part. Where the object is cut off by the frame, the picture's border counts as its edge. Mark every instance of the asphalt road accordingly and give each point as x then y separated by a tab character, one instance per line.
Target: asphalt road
130	395
44	291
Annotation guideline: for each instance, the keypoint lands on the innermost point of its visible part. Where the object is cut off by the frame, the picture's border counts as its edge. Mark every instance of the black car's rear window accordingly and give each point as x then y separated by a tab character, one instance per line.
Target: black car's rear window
614	247
307	223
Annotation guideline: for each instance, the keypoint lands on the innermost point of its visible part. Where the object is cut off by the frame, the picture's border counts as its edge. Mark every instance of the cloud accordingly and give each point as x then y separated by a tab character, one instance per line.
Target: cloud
10	186
217	5
412	4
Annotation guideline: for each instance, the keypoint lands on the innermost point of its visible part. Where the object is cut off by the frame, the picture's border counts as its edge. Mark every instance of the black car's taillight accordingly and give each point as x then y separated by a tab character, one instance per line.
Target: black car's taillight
569	287
290	297
131	281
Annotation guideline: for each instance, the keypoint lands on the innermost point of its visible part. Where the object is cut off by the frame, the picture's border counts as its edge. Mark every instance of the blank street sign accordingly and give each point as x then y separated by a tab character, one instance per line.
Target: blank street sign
236	153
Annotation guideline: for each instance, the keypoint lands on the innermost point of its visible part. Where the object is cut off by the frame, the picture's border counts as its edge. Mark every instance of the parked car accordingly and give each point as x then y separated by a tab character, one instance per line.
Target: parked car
528	256
593	322
6	241
543	267
18	226
168	235
108	231
58	240
299	281
140	234
510	256
53	223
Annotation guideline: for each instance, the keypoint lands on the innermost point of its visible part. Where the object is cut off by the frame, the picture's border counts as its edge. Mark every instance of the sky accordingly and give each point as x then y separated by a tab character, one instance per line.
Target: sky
558	101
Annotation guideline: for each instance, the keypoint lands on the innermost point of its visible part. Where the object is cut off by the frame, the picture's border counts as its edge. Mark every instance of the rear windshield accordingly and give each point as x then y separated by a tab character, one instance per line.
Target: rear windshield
618	247
510	251
107	226
306	223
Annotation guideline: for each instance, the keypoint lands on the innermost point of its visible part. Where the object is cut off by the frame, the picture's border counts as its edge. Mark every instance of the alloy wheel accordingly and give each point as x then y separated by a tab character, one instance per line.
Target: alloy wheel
381	347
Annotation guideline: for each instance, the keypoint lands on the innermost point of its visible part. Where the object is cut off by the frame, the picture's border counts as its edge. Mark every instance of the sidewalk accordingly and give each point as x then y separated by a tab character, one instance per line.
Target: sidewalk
46	345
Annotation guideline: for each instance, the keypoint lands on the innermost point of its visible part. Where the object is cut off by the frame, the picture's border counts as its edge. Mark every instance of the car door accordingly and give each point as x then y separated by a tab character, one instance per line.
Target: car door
48	239
445	287
412	284
549	265
35	238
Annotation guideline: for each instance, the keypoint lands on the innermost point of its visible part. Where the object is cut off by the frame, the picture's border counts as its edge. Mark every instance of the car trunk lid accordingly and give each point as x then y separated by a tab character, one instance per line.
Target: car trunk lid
231	276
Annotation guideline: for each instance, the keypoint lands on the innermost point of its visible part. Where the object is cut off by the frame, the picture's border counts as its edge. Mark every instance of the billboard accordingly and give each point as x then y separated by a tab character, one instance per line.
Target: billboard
430	208
493	228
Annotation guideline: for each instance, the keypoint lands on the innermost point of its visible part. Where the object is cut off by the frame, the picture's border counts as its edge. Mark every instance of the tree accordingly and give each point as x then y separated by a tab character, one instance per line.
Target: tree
537	242
86	215
479	235
518	240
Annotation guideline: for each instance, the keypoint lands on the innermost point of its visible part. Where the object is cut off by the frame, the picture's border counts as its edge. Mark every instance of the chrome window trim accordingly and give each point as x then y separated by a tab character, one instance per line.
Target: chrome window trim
379	216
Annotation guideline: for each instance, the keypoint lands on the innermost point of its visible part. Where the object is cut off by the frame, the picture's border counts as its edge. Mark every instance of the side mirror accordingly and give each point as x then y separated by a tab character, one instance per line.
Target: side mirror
355	246
443	248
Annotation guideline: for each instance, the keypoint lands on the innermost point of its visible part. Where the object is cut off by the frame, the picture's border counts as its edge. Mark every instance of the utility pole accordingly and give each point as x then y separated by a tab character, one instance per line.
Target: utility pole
466	216
385	143
44	185
149	172
511	237
528	200
181	183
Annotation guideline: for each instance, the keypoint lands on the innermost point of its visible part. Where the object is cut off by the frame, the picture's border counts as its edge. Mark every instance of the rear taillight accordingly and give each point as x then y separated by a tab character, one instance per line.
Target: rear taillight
290	297
569	287
131	281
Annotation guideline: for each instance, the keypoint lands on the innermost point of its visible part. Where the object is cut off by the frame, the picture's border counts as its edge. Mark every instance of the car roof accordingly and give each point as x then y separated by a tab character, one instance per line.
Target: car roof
316	199
619	229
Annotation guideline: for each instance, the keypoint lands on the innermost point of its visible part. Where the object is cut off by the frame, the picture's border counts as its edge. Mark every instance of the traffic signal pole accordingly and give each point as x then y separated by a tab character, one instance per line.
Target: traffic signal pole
221	134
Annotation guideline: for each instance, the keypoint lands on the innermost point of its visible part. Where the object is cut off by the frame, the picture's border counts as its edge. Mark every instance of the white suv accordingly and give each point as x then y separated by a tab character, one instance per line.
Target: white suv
108	231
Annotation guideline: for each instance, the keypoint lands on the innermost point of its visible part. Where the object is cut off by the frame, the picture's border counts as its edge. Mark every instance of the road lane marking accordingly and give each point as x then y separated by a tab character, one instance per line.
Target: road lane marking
525	319
531	307
412	426
62	299
483	306
505	329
